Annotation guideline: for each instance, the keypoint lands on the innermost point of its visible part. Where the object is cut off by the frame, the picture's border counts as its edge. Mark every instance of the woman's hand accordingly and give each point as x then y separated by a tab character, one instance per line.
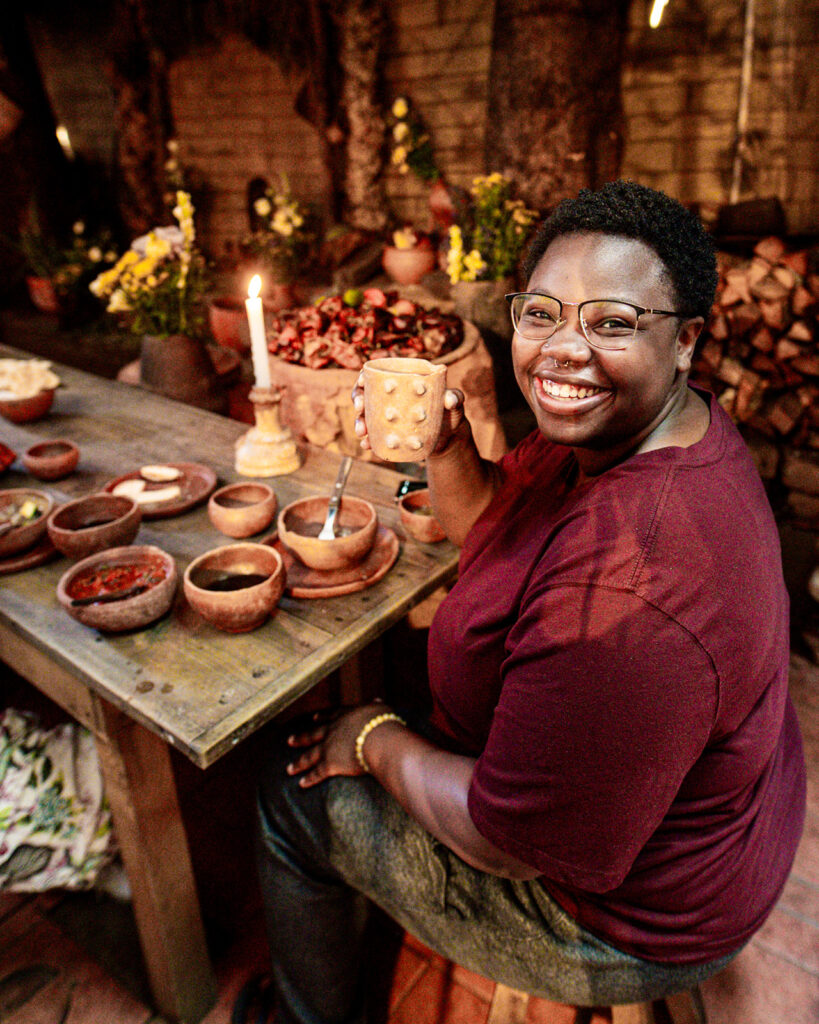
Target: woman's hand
328	748
453	415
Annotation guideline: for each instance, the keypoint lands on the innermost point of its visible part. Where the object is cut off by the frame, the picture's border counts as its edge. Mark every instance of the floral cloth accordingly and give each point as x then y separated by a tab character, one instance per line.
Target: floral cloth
55	823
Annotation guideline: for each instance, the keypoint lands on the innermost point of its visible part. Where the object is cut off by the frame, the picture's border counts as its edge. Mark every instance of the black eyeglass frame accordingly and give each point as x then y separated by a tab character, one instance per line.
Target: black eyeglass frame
561	321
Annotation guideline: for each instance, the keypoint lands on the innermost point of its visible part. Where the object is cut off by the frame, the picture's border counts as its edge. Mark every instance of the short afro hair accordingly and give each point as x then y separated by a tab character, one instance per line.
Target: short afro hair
635	211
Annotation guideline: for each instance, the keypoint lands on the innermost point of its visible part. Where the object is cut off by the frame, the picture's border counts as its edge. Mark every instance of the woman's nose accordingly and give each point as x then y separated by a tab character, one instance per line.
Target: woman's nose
568	341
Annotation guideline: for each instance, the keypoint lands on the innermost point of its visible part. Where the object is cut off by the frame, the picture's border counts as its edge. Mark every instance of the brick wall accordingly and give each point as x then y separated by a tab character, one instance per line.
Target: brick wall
234	108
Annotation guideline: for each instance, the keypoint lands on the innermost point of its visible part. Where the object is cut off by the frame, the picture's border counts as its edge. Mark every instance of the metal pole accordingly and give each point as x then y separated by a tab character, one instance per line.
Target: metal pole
744	100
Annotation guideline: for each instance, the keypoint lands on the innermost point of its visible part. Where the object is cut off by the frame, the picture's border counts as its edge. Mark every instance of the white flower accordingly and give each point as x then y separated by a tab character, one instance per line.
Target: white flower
79	227
262	206
118	303
173	236
95	254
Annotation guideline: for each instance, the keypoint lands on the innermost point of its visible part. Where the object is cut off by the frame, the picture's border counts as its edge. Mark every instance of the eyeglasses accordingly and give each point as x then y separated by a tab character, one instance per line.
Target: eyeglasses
607	323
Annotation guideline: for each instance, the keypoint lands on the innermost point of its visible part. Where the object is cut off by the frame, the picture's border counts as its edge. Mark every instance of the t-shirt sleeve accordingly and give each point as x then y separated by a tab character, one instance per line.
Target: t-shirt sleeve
605	704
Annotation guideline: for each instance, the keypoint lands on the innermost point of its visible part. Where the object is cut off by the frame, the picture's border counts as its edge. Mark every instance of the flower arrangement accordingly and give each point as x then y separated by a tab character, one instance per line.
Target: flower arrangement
286	233
409	237
66	266
411	144
488	237
160	280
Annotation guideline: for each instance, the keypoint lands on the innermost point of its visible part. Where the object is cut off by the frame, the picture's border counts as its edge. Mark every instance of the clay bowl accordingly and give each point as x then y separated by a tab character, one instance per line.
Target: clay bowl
24	410
240	510
52	460
235	587
356	523
20	538
149	566
417	519
94	523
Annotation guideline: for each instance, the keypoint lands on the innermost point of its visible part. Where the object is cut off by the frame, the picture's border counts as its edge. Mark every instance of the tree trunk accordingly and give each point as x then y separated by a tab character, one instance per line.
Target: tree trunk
361	30
555	118
142	117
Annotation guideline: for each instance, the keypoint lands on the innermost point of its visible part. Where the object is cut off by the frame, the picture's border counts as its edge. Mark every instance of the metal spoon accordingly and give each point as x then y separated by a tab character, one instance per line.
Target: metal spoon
328	530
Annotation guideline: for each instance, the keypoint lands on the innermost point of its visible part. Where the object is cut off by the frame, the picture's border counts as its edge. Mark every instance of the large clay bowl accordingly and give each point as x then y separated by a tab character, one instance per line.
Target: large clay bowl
356	523
417	519
25	410
240	510
215	588
20	538
140	565
52	460
94	523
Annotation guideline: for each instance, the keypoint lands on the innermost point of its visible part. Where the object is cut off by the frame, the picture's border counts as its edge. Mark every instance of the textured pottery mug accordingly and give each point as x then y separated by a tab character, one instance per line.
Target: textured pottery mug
403	406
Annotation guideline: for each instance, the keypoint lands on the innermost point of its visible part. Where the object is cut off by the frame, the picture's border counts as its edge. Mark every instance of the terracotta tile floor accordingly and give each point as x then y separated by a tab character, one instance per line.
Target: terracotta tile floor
83	964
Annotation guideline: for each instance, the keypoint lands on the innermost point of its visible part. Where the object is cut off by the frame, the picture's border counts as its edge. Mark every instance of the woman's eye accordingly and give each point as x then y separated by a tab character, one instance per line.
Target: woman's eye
538	314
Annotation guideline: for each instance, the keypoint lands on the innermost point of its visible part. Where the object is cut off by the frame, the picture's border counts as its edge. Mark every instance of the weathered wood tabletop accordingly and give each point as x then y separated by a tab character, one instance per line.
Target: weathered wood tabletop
181	681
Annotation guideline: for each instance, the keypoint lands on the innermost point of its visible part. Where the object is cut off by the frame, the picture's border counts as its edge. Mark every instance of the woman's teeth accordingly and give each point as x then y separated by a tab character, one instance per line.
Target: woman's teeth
556	390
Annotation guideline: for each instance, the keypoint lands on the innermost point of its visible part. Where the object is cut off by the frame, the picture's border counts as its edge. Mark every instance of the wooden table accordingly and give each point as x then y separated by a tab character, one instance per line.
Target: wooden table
180	682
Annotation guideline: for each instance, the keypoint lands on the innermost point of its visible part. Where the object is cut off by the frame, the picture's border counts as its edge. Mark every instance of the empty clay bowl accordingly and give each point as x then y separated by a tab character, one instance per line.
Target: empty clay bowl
121	588
94	523
417	517
30	531
52	460
235	587
356	525
240	510
24	410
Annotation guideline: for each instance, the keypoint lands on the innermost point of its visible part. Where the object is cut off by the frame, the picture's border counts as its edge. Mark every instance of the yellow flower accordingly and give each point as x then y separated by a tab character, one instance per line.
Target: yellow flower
473	265
262	206
118	302
404	239
403	169
95	254
400	108
400	131
157	248
399	155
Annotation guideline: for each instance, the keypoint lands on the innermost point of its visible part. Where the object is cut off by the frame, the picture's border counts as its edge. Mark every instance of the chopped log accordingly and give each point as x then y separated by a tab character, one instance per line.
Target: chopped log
726	399
729	371
763	340
744	316
787	349
711	353
771	249
797	261
719	329
736	282
770	288
731	294
785	413
757	269
807	364
774	312
801	299
800	331
790	377
765	365
749	396
786	277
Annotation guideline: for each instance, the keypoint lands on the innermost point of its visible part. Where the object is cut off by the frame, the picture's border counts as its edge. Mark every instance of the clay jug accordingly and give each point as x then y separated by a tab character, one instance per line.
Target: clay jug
179	366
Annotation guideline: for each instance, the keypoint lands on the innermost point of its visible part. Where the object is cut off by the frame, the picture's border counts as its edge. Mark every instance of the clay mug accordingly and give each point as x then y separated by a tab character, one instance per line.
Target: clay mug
403	407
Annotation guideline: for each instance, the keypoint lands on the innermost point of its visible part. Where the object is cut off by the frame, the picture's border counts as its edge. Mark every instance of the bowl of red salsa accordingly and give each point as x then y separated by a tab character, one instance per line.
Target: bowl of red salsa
119	589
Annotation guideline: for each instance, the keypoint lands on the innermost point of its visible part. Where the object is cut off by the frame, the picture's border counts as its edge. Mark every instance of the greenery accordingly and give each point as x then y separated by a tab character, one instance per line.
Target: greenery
286	234
159	283
411	144
67	267
490	232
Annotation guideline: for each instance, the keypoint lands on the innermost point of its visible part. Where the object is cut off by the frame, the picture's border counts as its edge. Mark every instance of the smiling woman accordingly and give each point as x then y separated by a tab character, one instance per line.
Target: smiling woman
610	721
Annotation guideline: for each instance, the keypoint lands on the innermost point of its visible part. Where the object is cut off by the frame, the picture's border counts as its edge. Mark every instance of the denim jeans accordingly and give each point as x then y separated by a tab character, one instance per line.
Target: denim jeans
324	852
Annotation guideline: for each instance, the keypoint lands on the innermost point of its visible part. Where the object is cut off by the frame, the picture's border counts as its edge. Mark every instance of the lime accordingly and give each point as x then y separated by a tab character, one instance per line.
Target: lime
353	296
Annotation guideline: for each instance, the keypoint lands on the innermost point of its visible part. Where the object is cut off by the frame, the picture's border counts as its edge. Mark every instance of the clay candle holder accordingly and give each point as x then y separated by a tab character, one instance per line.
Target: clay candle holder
403	406
240	510
268	449
52	460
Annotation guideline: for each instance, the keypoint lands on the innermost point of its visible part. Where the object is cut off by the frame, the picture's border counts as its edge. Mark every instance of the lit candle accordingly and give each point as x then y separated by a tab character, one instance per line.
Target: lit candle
258	335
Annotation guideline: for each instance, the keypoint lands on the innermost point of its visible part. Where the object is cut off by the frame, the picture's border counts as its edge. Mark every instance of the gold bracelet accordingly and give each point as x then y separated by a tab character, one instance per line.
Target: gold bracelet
373	723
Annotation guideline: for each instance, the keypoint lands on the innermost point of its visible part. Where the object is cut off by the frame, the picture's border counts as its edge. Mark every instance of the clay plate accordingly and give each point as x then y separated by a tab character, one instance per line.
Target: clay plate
42	552
305	582
196	483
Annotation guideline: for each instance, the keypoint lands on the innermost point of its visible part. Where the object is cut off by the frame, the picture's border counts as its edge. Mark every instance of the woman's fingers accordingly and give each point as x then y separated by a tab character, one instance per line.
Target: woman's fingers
307	739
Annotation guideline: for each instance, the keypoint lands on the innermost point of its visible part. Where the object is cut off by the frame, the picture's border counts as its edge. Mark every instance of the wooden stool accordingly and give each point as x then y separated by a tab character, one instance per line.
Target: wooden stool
509	1006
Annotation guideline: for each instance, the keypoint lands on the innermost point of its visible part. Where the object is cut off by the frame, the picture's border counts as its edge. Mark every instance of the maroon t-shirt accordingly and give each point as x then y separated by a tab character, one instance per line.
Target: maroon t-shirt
615	653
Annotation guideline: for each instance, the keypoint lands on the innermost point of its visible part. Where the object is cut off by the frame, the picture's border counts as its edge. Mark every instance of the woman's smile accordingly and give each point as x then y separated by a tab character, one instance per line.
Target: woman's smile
564	397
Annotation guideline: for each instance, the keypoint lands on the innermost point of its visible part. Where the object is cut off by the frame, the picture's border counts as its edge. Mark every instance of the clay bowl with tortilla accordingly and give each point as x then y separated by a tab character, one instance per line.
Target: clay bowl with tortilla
24	516
28	409
356	525
120	588
418	519
242	509
52	460
93	523
235	587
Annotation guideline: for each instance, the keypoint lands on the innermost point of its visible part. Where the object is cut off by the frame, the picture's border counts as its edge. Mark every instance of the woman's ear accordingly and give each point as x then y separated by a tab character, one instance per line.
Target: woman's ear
686	340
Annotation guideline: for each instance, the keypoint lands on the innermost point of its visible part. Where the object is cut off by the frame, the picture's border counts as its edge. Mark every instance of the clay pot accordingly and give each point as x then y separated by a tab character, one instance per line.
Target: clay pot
26	410
408	266
179	366
246	607
21	538
72	530
129	612
299	524
52	460
441	206
43	295
417	519
227	318
240	510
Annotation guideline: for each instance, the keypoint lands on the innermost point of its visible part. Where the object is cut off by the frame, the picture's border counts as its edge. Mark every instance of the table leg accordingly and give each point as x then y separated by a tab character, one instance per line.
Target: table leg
141	790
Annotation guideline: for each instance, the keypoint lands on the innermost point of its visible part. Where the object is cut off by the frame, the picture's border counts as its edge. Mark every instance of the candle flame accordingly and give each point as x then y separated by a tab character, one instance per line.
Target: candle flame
254	287
657	13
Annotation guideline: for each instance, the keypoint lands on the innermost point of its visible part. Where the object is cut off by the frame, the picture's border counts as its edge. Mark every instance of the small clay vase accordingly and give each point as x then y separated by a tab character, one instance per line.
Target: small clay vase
403	407
408	266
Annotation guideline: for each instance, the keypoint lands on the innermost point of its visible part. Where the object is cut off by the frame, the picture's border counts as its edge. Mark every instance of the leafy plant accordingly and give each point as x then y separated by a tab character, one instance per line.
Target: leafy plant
411	144
286	234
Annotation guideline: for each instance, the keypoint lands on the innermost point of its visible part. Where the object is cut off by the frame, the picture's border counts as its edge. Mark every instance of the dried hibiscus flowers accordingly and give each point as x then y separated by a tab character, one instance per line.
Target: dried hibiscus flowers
338	333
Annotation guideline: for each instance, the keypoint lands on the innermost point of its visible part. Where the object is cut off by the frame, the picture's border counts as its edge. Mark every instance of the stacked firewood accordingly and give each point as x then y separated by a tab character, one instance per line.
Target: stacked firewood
759	350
